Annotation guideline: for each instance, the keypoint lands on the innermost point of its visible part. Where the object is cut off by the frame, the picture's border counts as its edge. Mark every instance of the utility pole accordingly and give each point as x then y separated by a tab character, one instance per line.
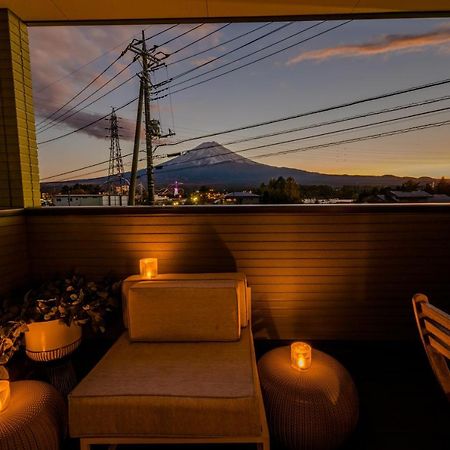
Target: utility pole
148	128
151	60
115	169
137	141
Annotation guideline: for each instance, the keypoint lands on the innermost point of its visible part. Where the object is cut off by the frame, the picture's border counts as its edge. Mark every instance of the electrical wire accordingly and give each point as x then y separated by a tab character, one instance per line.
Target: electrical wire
81	91
327	133
65	115
257	60
221	44
45	127
232	50
333	122
317	111
87	125
387	110
207	79
200	39
180	35
78	69
325	145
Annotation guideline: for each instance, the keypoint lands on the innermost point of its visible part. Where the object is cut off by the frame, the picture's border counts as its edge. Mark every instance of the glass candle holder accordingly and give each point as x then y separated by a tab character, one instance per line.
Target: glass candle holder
148	268
5	394
300	356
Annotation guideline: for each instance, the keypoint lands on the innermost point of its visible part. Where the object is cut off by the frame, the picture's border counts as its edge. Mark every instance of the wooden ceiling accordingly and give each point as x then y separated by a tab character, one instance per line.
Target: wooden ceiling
39	12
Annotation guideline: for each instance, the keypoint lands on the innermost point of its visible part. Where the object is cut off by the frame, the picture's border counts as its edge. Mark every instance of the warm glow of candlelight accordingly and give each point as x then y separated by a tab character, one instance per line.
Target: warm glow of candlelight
148	268
4	394
300	356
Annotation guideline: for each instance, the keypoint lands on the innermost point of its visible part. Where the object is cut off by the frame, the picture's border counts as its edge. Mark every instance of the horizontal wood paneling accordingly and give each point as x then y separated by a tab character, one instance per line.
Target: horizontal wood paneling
14	263
316	273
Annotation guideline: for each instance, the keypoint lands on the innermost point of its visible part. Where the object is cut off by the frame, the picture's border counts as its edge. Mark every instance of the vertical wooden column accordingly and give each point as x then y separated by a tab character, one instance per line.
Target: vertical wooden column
19	171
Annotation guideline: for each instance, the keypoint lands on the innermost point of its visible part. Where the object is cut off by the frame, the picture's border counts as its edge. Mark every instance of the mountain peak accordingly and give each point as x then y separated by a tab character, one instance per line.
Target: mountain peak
207	154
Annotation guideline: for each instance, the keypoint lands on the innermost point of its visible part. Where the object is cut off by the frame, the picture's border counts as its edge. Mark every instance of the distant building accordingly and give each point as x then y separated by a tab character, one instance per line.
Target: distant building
241	198
90	200
417	197
409	197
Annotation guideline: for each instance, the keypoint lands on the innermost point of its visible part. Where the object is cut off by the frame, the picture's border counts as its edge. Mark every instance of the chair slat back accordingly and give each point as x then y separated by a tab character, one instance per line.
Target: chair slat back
436	314
434	330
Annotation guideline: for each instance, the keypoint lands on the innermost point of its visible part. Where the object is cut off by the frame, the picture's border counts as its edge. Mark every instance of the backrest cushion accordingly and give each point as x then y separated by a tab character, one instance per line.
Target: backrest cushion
183	311
239	277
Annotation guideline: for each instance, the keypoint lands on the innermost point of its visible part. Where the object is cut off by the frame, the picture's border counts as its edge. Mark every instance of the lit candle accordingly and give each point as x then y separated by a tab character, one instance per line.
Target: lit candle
300	356
148	268
4	394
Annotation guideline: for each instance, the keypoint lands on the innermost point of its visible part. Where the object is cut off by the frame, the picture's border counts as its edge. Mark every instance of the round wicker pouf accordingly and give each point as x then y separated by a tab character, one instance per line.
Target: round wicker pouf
316	409
35	418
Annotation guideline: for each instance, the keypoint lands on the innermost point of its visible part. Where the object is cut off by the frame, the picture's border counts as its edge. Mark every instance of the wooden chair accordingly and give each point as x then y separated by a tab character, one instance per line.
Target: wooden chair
434	330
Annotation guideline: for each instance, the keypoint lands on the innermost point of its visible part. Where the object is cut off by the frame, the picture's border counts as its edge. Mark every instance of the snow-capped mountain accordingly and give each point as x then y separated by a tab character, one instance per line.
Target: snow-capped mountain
211	164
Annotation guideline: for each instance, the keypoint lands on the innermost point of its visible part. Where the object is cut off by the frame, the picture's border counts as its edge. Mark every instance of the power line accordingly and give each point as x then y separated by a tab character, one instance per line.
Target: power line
232	51
87	125
179	35
257	60
46	127
99	57
58	137
221	44
42	123
393	109
89	166
82	90
200	39
329	144
333	122
241	57
127	164
270	122
62	117
317	111
327	133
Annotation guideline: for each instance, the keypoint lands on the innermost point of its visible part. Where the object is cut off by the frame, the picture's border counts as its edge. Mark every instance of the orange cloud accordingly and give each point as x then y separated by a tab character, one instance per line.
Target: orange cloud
384	45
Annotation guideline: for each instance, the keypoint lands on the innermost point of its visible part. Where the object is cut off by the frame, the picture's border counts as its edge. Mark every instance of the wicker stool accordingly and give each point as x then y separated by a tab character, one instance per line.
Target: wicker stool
316	409
35	418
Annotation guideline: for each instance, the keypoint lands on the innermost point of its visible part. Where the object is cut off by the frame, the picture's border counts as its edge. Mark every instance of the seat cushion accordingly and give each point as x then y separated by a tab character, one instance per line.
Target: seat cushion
239	277
183	311
169	389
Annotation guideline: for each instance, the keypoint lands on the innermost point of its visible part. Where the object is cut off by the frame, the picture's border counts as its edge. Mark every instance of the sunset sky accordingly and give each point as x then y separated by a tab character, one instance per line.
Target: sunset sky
358	60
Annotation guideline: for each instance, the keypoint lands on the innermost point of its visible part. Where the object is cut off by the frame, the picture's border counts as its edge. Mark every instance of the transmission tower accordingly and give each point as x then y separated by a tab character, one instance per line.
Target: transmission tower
115	170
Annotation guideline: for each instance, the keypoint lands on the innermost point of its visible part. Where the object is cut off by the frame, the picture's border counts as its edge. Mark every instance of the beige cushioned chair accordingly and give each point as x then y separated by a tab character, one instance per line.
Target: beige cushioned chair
197	387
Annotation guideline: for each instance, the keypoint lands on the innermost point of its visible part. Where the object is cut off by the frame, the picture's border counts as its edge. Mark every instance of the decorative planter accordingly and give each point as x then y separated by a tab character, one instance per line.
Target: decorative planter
4	394
47	341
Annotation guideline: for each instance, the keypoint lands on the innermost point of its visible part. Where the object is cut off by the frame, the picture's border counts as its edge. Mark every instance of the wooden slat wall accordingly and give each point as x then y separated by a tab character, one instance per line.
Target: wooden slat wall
14	264
317	273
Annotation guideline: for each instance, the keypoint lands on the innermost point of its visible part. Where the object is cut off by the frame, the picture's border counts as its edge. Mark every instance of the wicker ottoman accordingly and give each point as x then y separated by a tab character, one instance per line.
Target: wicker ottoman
316	409
35	418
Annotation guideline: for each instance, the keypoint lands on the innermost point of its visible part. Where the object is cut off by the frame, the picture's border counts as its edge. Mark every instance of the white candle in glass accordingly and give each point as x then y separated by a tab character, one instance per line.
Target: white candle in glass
148	268
300	356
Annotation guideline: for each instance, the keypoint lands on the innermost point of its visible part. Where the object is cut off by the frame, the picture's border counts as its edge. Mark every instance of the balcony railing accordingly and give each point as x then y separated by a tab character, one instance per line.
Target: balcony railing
321	272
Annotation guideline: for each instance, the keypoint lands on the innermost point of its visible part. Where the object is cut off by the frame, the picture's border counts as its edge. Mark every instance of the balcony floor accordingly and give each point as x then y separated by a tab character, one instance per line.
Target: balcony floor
401	405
